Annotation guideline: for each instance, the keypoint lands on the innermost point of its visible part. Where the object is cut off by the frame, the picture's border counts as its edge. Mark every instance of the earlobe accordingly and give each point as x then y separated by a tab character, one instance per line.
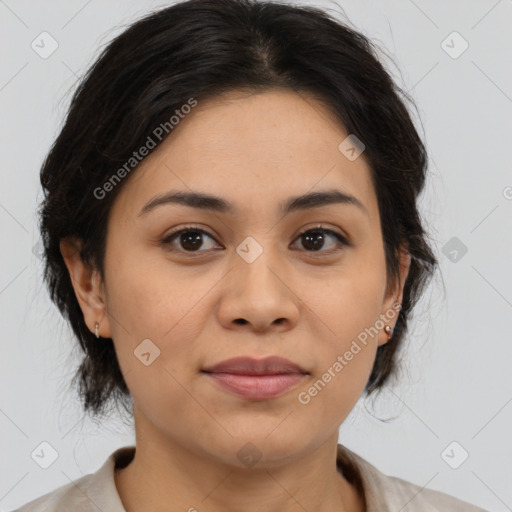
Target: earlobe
393	301
88	286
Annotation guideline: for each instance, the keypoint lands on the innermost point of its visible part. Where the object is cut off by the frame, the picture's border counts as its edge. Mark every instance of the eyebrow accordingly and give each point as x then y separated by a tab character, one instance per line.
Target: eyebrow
217	204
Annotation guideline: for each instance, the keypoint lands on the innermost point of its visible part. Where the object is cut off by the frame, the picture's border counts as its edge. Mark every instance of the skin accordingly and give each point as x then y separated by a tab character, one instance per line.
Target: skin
188	429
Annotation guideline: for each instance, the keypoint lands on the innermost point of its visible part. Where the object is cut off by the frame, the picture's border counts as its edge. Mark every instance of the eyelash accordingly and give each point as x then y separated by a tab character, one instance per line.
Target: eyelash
319	229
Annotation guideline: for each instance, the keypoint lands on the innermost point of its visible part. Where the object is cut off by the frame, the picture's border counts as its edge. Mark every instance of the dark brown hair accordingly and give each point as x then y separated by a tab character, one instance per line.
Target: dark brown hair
200	49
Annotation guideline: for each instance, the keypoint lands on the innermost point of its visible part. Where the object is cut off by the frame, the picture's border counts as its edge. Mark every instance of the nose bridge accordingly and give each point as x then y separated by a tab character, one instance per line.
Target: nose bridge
259	292
260	264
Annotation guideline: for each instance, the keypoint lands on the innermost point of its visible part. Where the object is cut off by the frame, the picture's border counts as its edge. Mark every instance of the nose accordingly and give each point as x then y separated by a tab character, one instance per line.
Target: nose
259	296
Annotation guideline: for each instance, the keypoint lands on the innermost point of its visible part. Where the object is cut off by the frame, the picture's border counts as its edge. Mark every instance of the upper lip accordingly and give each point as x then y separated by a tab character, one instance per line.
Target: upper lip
272	365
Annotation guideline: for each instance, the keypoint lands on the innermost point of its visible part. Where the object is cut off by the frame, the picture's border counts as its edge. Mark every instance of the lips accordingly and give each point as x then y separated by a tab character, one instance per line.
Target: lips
254	379
272	365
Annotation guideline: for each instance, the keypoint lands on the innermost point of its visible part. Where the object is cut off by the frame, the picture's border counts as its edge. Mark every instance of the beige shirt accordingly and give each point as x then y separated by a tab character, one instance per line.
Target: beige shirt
97	491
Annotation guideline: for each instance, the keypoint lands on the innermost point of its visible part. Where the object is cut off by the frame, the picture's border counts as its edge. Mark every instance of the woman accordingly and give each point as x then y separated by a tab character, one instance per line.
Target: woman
231	228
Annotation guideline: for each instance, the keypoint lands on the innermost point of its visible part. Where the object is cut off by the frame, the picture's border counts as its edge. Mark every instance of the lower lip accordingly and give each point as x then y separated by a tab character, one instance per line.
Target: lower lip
257	387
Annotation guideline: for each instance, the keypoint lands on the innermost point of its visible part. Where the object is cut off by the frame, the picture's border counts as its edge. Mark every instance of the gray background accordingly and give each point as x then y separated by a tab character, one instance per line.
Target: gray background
456	379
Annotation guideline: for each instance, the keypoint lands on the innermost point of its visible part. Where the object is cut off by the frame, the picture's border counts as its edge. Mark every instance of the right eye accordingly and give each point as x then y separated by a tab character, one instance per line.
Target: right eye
189	238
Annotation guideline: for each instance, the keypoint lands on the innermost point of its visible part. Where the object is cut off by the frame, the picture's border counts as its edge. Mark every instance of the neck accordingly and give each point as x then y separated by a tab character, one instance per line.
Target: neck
172	477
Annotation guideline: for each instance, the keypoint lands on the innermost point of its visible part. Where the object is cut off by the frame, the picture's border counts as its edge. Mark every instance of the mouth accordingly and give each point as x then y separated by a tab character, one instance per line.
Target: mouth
272	365
257	387
256	379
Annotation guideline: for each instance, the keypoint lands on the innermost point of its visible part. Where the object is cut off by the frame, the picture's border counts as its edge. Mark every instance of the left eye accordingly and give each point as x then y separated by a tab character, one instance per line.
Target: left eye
316	237
190	239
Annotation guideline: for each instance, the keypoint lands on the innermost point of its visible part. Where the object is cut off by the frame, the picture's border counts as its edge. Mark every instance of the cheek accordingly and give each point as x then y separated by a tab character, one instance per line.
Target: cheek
347	317
149	302
152	299
344	363
150	296
348	302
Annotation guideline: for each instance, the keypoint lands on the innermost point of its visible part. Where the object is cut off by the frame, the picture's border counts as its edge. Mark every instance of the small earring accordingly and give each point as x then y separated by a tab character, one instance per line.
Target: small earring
96	327
388	331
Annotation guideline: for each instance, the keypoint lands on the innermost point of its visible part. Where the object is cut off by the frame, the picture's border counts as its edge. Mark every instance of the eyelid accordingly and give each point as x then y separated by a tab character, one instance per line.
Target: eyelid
322	227
183	229
341	238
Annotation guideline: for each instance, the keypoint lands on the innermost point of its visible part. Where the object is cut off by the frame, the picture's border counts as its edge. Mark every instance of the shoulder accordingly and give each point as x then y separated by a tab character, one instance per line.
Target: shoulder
90	493
414	498
72	496
385	493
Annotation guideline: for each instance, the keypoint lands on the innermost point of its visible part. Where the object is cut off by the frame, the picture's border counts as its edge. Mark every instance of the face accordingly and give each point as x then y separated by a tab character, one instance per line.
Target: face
248	281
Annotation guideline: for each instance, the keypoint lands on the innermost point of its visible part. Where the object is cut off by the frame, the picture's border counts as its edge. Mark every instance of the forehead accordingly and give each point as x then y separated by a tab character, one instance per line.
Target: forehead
251	148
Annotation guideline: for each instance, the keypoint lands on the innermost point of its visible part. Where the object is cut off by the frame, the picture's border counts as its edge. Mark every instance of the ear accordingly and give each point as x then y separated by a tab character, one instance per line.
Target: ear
394	295
88	286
